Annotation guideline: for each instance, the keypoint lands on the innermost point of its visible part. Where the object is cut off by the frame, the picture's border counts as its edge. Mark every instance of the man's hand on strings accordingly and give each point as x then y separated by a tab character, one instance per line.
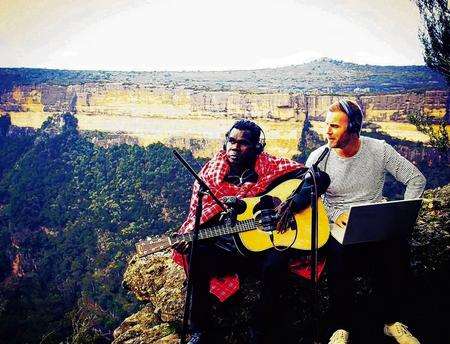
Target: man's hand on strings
284	216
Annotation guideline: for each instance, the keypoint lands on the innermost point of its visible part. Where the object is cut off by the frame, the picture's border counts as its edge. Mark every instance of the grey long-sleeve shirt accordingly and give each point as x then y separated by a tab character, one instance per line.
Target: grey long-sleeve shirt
360	178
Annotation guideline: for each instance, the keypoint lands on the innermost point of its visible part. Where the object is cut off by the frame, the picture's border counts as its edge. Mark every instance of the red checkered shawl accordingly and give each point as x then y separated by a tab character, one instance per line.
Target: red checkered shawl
213	173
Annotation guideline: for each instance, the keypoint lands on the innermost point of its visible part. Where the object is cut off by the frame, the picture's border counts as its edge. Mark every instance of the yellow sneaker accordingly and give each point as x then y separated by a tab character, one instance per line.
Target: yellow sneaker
339	337
400	333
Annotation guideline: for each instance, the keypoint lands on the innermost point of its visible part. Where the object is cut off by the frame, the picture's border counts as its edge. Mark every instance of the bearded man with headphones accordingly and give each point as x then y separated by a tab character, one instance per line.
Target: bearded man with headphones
357	166
240	169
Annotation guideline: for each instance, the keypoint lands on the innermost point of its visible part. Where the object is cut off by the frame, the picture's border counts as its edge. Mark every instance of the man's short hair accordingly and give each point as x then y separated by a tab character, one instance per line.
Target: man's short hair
245	124
353	112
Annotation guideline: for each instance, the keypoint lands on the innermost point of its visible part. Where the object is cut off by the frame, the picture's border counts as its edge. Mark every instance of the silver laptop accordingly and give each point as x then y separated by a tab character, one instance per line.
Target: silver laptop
378	221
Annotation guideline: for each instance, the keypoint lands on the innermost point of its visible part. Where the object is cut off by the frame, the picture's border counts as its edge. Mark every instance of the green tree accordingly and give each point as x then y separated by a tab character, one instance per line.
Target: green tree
73	211
435	36
436	132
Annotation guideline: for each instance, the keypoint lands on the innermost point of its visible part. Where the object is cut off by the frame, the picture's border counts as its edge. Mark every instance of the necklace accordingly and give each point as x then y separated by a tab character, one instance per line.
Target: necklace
241	178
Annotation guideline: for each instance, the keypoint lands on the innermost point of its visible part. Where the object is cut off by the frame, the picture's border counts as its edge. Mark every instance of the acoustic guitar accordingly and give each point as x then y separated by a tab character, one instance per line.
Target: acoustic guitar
249	230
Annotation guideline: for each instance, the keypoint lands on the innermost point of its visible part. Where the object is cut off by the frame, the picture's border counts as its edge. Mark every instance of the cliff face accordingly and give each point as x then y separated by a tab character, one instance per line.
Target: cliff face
178	117
42	98
141	100
196	120
158	282
137	100
387	107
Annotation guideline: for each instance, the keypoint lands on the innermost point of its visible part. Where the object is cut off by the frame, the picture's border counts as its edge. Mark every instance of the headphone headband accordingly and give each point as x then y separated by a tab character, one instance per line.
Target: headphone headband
354	118
259	147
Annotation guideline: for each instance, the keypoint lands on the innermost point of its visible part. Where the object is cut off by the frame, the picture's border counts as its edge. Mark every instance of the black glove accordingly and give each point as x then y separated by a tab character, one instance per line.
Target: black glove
302	198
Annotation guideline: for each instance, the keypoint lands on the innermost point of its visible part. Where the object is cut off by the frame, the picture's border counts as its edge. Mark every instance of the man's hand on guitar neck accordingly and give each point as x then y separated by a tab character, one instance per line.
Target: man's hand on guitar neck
237	204
182	246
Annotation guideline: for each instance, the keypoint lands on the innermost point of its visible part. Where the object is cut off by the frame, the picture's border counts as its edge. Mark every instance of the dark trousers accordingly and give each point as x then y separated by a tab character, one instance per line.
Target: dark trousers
388	264
270	266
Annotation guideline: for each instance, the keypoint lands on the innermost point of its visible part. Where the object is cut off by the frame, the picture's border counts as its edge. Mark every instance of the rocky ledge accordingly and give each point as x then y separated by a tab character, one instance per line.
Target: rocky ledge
158	283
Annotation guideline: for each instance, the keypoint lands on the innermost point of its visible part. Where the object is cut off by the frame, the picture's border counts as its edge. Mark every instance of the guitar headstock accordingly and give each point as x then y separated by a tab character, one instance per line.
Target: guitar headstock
152	245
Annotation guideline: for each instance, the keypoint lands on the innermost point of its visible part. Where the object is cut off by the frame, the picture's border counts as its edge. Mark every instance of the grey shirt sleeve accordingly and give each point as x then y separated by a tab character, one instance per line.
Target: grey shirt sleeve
405	172
334	213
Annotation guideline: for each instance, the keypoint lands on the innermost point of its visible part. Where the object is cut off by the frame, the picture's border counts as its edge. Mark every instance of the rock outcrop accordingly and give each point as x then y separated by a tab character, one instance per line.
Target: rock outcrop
158	282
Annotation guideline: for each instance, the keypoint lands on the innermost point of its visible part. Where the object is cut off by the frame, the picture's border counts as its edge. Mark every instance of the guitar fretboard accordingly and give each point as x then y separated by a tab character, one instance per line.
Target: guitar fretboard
241	226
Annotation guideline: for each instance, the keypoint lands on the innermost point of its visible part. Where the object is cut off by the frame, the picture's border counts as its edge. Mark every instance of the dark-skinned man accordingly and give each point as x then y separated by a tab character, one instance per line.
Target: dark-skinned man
241	169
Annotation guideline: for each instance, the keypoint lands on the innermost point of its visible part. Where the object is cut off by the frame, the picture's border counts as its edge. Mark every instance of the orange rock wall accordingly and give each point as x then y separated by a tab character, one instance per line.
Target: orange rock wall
139	100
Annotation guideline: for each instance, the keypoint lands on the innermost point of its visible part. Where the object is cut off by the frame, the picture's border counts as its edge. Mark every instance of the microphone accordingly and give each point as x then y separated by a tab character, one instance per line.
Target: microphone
321	157
235	203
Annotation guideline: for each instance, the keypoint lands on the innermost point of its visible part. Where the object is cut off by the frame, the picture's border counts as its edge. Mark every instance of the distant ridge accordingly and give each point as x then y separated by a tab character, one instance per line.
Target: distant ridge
322	76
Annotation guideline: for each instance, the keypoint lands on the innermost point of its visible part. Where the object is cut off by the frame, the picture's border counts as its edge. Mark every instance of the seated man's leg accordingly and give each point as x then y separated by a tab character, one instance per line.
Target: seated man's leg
340	266
211	261
391	274
274	271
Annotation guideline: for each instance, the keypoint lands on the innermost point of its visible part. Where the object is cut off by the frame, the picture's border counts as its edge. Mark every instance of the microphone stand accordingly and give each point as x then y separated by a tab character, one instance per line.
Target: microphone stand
202	191
314	247
314	257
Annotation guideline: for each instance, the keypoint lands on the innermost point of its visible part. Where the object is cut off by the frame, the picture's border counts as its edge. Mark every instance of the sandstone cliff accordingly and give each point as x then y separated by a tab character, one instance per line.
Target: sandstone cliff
196	120
116	99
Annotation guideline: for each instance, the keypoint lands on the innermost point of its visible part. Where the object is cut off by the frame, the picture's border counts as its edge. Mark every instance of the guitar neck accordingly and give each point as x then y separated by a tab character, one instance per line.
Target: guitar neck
150	246
212	232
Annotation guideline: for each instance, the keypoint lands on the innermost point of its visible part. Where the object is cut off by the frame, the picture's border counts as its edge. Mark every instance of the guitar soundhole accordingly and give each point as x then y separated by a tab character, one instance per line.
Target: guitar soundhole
264	212
266	202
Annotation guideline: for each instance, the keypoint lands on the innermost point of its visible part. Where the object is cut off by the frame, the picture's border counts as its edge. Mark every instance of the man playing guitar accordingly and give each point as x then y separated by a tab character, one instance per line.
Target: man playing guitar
241	169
